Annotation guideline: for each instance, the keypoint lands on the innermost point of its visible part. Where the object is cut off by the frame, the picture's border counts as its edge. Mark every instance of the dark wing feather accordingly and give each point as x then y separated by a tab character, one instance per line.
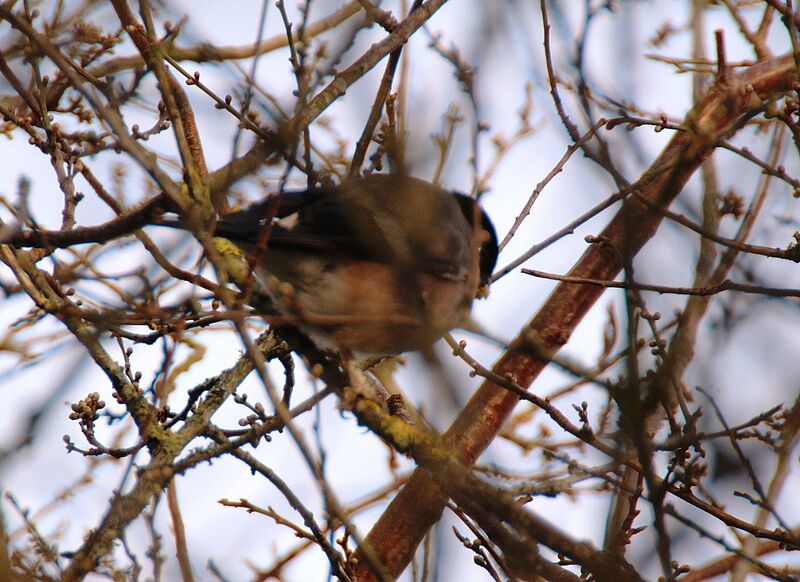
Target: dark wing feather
313	220
391	219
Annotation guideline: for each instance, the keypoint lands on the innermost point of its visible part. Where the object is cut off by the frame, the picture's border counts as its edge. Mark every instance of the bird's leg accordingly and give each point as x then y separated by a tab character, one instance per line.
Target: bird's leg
362	384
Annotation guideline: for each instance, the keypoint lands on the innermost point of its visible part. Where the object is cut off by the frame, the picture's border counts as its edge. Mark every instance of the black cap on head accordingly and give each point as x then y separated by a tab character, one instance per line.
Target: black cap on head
489	248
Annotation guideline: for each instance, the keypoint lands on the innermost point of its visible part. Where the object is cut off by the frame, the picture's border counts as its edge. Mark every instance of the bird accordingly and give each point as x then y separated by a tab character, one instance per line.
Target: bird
377	265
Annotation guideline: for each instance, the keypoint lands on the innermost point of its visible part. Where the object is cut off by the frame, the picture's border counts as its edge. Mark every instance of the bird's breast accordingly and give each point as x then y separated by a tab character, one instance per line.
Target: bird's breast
369	307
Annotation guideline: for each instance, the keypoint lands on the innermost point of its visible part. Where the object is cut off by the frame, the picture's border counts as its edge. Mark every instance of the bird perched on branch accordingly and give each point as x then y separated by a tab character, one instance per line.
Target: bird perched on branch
378	265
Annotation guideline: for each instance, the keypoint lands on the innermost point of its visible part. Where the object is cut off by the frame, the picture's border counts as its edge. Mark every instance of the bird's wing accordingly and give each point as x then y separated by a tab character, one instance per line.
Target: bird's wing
389	219
311	220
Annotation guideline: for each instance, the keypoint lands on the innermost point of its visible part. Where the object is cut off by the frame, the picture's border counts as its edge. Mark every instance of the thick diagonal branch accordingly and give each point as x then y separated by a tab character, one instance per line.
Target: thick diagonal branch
419	505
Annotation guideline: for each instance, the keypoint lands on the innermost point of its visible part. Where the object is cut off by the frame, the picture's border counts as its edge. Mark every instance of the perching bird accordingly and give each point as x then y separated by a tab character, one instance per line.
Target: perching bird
378	265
